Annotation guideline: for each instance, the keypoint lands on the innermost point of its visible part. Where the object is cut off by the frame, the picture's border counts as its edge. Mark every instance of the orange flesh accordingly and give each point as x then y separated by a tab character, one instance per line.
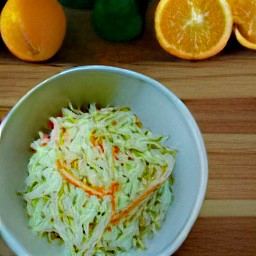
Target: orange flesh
193	29
244	13
244	41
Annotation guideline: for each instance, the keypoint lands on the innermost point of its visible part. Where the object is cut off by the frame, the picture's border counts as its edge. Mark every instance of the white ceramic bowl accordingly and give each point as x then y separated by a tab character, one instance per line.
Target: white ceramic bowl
158	108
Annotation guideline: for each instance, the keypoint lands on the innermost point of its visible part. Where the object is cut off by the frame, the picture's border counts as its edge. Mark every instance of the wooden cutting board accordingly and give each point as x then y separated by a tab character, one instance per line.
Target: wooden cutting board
220	93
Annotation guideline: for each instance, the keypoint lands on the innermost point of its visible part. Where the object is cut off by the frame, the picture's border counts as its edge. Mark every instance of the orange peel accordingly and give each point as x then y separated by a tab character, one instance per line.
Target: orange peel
33	30
244	41
244	15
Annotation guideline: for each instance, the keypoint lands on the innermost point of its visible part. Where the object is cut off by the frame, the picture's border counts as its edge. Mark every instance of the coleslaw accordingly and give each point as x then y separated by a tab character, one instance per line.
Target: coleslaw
99	181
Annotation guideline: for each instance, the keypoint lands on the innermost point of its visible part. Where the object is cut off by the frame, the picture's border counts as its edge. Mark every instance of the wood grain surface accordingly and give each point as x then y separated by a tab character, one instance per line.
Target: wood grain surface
220	93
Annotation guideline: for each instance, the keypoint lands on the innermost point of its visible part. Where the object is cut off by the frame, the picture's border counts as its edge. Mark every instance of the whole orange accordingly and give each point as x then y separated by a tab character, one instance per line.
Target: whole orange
33	30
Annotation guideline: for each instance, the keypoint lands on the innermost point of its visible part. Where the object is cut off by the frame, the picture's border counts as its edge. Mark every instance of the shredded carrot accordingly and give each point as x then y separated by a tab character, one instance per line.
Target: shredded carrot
93	140
100	144
97	142
114	189
50	124
46	138
97	191
115	150
122	214
100	192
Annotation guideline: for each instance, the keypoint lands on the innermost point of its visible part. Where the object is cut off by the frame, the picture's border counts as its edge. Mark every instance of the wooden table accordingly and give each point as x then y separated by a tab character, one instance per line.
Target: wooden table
220	93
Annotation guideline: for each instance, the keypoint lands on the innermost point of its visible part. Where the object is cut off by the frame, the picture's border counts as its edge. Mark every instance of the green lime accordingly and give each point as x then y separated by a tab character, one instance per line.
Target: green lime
117	20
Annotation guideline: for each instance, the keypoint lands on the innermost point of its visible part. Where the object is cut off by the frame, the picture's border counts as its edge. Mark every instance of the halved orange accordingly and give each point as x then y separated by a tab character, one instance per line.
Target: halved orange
244	15
244	41
193	29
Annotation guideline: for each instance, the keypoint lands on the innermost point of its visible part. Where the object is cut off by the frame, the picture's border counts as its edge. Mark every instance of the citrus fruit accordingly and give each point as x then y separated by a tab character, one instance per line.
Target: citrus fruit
244	15
117	20
33	30
244	41
193	29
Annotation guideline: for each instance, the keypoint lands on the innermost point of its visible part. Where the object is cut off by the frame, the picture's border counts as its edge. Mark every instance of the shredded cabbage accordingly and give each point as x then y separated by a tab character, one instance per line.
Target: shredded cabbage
99	181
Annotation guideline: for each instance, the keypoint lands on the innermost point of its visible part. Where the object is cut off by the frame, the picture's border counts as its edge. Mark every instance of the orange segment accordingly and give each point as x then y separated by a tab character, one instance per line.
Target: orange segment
244	41
193	29
33	30
244	15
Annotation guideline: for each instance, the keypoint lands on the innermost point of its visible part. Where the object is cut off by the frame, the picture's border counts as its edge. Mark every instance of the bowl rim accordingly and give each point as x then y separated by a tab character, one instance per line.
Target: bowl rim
16	246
